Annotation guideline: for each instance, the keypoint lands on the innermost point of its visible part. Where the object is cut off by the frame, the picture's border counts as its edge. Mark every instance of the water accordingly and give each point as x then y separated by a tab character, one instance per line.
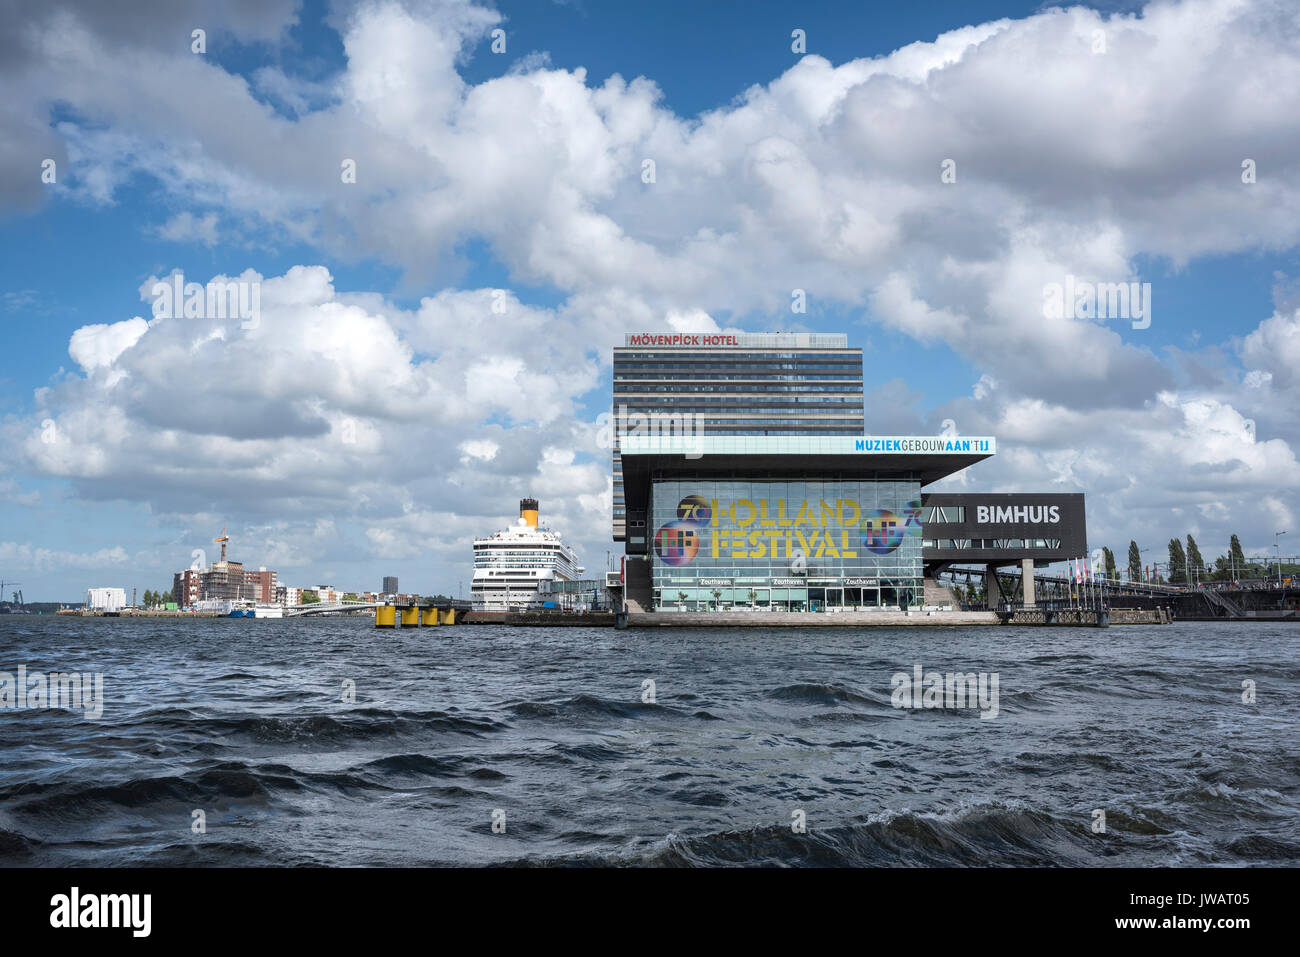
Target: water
244	721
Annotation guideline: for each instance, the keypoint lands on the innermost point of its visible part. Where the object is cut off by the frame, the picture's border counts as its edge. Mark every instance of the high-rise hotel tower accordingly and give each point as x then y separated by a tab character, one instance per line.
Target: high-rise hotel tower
779	384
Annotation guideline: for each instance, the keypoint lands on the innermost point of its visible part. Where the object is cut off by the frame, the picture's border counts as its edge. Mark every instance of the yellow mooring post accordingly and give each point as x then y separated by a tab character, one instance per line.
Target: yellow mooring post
385	616
428	616
411	616
448	616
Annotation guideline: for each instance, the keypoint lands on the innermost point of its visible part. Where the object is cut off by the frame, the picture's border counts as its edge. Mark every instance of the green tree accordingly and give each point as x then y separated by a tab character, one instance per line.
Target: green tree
1195	564
167	597
1236	558
1108	560
1134	561
310	598
1177	562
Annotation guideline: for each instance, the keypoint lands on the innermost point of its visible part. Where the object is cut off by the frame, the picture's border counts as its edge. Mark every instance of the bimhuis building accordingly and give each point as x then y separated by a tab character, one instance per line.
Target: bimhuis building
749	475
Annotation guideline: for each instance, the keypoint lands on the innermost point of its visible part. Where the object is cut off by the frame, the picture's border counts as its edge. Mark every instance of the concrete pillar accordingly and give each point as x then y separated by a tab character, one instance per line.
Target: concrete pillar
992	594
1027	579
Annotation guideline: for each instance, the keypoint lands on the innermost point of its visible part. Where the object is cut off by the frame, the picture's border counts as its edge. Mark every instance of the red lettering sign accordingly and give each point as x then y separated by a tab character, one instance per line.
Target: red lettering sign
646	339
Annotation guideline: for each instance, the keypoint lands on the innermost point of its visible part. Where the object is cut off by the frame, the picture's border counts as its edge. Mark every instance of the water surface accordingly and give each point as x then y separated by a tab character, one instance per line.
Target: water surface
245	720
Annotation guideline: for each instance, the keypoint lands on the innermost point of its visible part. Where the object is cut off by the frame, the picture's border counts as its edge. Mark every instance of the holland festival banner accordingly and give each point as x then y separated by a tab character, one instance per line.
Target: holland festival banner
782	528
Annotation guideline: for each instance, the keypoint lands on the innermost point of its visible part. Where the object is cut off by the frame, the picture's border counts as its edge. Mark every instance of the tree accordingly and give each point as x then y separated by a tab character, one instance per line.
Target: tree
681	598
1177	562
351	596
1236	558
1134	562
1195	564
1109	561
310	598
167	597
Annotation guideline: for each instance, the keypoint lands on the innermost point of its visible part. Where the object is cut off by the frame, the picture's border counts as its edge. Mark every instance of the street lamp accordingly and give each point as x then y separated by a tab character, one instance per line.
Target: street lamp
1277	555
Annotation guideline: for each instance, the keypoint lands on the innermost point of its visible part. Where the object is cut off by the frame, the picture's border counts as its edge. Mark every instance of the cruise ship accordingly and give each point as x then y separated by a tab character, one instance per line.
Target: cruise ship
510	566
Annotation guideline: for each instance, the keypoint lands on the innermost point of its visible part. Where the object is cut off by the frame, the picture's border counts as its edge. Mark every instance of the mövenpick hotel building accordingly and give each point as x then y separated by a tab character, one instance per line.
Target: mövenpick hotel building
748	475
731	384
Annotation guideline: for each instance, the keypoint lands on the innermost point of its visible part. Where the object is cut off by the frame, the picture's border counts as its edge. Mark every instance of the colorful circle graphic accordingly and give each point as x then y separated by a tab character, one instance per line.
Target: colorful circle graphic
882	531
695	508
677	543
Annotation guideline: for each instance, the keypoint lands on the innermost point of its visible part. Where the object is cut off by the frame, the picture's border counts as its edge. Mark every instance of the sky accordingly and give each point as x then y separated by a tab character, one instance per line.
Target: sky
447	229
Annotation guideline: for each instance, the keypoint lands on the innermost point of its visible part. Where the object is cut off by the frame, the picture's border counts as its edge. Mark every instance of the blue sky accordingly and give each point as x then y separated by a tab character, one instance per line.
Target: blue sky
481	171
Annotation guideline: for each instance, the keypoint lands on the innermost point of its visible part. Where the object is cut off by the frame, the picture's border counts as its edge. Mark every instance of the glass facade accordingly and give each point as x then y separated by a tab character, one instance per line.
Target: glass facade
785	545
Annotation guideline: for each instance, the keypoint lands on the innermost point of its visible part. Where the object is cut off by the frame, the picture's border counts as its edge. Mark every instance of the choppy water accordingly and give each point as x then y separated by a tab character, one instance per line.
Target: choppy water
244	720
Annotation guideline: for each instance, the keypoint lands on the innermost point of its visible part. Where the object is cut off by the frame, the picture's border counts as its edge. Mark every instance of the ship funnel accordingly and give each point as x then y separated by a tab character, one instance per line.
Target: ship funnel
528	511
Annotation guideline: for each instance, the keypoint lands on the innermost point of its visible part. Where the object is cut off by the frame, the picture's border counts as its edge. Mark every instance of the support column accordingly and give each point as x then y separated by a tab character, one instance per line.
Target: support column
992	590
1027	580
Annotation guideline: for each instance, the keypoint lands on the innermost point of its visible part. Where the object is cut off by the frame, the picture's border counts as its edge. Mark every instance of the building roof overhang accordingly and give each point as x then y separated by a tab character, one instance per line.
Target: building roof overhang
921	458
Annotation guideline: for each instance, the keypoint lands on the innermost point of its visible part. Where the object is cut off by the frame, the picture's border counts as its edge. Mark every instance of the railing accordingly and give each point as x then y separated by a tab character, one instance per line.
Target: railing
321	607
1214	597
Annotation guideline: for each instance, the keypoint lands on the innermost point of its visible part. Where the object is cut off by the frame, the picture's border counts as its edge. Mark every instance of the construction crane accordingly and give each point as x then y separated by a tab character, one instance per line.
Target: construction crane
222	542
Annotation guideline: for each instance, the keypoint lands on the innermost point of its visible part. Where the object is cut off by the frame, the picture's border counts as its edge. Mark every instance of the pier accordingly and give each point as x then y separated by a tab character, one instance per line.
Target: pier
421	616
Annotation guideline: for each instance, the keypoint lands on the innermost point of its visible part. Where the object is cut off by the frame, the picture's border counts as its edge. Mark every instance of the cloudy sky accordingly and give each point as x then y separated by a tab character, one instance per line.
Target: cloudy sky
449	227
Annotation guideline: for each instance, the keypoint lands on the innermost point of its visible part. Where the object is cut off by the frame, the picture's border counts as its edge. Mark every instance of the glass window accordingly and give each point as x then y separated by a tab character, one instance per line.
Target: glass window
844	538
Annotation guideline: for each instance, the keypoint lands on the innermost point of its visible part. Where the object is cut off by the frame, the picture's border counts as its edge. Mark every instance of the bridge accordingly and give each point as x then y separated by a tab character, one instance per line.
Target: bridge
325	607
1247	598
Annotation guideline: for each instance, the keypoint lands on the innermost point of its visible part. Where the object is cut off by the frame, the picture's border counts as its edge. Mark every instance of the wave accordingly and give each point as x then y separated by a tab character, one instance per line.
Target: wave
588	706
16	847
824	694
999	835
344	725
